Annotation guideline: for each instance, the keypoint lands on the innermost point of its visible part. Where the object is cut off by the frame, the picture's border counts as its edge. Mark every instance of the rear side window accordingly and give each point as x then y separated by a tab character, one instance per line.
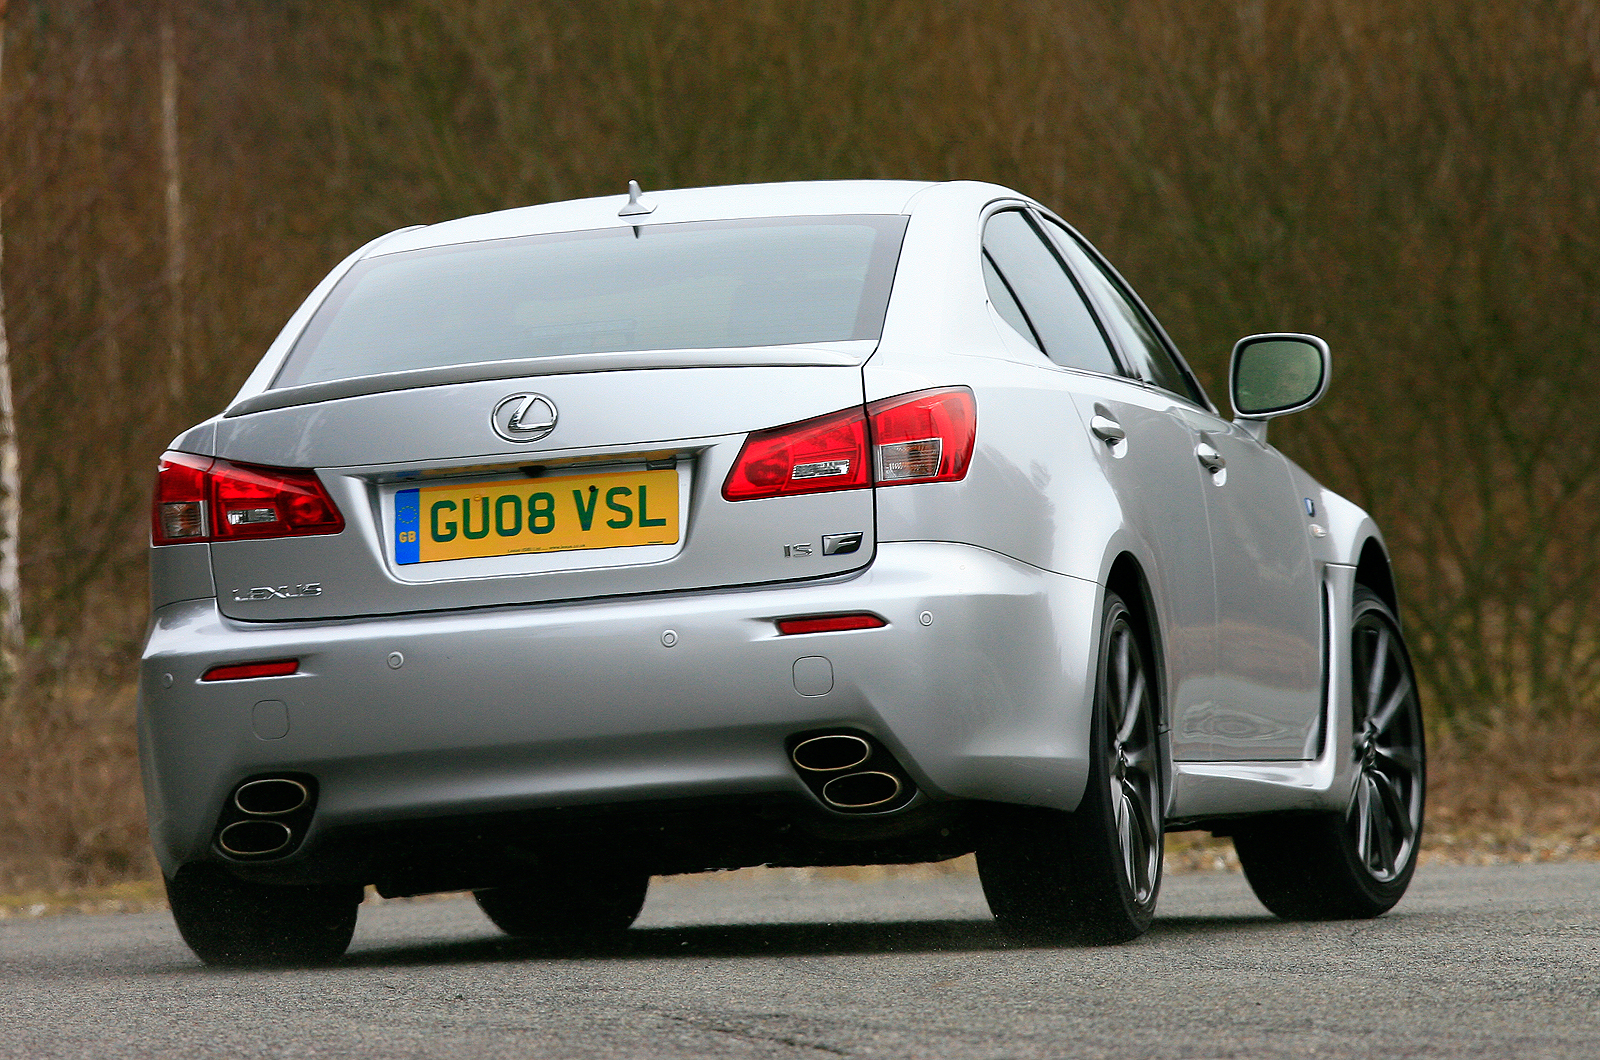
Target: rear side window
701	285
1005	303
1136	335
1056	314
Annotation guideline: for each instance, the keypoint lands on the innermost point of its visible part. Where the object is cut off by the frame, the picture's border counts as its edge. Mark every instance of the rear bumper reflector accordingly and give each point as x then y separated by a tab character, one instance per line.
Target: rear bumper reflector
240	671
830	623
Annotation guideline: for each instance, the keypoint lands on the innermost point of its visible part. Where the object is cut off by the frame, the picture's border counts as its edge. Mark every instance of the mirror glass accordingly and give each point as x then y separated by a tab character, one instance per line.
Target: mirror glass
1275	375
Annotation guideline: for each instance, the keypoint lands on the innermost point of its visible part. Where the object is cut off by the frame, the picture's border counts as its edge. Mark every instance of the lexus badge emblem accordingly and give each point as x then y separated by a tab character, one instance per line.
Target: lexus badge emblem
523	417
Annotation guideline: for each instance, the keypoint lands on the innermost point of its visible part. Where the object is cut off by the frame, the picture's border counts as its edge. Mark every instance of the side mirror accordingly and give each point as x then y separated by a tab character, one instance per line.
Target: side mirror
1274	375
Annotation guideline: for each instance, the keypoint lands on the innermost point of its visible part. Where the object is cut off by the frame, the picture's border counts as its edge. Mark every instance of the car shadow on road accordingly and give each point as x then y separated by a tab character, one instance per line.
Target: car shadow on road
1213	925
701	941
765	940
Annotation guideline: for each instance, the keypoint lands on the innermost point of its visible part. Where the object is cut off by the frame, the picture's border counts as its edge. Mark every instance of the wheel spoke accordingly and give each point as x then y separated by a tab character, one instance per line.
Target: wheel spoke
1380	666
1363	818
1119	670
1138	843
1394	806
1139	804
1133	708
1383	839
1124	813
1402	759
1385	717
1138	871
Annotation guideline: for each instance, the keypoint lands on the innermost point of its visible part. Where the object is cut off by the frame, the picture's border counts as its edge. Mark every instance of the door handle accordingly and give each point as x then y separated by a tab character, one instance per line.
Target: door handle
1210	459
1107	429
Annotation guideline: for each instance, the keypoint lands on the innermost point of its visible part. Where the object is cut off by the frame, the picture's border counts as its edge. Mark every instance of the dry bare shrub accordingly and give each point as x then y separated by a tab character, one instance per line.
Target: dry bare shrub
1521	788
72	802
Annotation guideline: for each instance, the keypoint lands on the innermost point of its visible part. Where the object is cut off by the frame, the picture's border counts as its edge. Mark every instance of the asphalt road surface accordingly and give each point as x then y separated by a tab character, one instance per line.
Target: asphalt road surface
1476	962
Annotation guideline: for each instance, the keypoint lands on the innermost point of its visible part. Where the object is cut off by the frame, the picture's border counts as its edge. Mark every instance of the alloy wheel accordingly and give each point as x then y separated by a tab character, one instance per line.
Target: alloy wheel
1133	776
1385	813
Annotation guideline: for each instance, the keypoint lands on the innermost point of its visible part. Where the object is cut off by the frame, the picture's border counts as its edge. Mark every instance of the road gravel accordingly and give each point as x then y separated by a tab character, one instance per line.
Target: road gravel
1498	962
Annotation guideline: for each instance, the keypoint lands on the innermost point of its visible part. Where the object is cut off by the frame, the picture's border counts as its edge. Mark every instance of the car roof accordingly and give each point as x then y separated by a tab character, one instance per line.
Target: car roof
801	198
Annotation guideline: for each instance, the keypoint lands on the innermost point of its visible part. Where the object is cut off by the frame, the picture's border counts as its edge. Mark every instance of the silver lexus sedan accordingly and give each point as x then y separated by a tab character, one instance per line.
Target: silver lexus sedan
794	524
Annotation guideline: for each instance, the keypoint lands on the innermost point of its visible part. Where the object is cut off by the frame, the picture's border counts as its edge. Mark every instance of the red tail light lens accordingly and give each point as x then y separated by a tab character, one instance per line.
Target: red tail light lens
923	437
203	499
240	671
813	456
830	623
252	501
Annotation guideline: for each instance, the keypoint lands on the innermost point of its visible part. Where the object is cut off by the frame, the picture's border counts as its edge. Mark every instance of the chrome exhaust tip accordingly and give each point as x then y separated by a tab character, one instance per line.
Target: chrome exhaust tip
266	817
255	838
272	797
850	772
831	753
862	791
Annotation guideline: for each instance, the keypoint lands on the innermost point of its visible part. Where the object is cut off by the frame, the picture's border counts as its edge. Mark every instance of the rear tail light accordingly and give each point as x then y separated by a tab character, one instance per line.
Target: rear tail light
180	504
251	501
814	456
199	498
923	437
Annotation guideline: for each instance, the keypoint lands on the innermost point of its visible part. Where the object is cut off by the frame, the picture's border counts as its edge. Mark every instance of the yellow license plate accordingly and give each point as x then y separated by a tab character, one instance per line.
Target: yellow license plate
535	515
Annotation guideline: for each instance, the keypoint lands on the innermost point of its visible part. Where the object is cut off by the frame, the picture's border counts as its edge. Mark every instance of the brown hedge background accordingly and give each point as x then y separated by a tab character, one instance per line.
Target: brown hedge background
1414	181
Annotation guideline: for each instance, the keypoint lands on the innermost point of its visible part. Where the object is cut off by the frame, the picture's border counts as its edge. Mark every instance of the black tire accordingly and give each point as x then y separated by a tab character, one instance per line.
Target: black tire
1356	863
578	903
230	922
1091	876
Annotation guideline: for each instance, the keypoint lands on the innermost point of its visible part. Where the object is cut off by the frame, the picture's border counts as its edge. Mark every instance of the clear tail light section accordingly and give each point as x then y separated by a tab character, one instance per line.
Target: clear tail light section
200	498
927	436
923	437
179	511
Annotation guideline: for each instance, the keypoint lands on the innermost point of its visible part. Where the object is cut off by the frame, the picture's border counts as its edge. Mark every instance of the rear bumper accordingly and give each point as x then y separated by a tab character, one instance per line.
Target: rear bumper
464	713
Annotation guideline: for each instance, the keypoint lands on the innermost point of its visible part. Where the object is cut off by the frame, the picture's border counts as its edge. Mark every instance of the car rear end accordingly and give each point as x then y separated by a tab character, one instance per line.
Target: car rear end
559	530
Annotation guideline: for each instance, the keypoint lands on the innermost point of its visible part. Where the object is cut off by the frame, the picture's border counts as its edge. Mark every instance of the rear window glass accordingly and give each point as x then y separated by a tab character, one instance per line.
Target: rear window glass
701	285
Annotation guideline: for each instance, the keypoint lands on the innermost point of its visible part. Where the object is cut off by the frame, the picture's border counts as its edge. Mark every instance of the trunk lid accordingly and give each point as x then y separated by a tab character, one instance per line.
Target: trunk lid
621	495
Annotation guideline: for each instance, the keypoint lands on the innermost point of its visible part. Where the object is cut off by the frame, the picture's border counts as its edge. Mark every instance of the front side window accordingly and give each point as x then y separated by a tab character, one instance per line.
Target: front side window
1060	320
1135	334
699	285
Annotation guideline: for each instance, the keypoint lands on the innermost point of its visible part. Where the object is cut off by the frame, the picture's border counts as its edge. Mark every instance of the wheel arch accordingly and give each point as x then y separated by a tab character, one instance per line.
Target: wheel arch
1127	579
1374	572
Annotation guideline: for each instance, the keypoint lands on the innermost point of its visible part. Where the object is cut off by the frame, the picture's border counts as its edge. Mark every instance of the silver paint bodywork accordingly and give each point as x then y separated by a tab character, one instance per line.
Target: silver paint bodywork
543	681
561	705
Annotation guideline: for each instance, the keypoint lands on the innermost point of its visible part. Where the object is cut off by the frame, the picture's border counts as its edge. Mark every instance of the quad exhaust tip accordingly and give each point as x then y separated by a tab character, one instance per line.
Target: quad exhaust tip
272	797
831	753
266	817
255	838
862	791
851	772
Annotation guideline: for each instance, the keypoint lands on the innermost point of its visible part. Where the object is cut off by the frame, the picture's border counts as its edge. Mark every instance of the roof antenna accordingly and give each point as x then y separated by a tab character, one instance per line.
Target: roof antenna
635	206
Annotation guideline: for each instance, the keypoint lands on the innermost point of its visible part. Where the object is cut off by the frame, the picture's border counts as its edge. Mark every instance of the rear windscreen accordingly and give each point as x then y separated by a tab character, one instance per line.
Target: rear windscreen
702	285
